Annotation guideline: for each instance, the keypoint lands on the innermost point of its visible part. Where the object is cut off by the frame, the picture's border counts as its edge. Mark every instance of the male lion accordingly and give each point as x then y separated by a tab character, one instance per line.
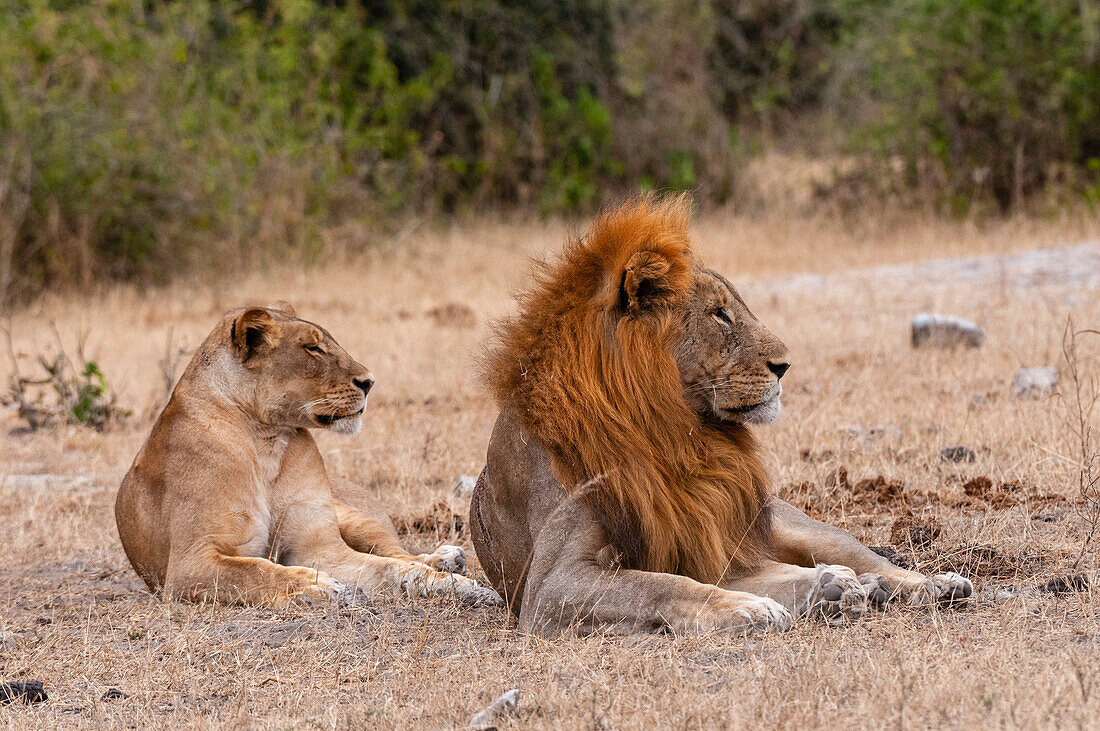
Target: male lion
229	499
623	488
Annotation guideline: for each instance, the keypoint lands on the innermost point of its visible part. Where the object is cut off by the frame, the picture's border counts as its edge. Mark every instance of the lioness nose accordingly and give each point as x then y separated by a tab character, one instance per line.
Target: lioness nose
364	384
778	368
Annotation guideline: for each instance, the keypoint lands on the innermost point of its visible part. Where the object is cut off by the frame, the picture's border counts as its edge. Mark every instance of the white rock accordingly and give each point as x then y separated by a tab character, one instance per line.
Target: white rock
945	331
1034	382
465	485
503	706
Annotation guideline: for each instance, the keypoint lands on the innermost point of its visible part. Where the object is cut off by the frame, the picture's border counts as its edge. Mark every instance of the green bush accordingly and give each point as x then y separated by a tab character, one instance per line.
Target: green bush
141	139
979	98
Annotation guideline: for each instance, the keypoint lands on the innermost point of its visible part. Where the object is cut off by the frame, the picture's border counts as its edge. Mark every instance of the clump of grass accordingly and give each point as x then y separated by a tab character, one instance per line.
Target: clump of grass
66	391
1081	399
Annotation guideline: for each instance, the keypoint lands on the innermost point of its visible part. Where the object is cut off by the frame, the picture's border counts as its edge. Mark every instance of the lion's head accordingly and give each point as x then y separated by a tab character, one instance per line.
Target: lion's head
292	373
638	368
730	365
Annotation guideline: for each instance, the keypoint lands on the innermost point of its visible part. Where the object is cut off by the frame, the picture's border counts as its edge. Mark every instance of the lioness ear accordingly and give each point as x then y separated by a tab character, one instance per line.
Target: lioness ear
283	306
254	331
645	282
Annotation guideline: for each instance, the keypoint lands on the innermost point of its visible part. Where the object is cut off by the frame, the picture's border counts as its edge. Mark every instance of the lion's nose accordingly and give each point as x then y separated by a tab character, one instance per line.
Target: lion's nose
778	368
364	384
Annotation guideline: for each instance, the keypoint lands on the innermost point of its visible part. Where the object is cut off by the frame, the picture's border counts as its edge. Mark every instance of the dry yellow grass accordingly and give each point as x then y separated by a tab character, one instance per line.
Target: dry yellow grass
73	614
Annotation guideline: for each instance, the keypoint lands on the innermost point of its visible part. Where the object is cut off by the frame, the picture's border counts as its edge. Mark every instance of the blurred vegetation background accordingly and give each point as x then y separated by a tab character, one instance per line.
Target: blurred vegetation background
139	139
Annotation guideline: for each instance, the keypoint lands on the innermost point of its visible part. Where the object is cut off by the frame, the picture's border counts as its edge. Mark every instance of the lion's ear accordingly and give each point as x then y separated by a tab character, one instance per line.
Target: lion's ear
645	282
283	306
254	331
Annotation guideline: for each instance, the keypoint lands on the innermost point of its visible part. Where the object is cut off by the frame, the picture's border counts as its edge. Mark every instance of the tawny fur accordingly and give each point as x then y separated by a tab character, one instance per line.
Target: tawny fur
593	376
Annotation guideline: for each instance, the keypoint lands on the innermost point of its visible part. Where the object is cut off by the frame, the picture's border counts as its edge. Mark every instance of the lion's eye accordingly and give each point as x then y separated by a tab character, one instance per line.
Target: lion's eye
722	316
313	349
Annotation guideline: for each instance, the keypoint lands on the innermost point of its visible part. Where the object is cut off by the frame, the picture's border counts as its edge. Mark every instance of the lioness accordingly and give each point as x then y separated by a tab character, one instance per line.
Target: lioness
623	488
229	499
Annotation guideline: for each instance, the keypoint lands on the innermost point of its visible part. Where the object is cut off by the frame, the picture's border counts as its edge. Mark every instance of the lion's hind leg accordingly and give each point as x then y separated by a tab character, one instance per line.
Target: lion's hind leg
207	575
833	593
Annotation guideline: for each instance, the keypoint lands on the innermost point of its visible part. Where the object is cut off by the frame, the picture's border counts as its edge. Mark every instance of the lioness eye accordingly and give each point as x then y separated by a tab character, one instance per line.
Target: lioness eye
721	315
313	349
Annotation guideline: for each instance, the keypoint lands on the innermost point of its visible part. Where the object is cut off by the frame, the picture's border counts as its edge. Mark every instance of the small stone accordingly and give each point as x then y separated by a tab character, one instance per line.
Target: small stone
30	691
1034	382
1072	583
502	707
957	454
945	331
113	694
465	485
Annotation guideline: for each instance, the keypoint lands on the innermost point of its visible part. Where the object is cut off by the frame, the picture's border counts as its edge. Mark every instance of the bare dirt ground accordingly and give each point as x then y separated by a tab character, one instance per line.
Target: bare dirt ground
860	405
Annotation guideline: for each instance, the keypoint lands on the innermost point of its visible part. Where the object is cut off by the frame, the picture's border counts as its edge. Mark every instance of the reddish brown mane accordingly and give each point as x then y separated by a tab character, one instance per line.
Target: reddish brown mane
589	367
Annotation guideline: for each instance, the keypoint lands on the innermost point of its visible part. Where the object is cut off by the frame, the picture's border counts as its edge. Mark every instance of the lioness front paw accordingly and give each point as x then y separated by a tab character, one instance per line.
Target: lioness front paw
425	581
447	558
323	588
943	589
475	594
838	596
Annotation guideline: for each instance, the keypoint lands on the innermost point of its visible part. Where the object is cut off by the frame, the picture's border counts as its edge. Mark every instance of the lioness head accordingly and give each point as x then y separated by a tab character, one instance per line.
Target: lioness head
730	364
297	375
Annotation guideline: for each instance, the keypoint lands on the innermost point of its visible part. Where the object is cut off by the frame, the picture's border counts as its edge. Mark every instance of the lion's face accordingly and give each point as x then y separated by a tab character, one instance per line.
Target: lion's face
730	364
299	375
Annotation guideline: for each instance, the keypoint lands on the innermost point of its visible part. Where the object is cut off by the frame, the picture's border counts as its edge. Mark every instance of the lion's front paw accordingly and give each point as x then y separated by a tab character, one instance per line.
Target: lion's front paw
942	589
877	588
766	615
740	613
447	558
838	595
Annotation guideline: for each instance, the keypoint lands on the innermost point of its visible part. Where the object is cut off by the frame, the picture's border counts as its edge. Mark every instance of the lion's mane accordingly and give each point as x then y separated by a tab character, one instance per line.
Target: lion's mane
589	366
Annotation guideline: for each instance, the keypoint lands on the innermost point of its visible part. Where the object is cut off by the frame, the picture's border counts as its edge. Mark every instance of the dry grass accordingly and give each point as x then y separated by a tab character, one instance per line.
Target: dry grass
73	614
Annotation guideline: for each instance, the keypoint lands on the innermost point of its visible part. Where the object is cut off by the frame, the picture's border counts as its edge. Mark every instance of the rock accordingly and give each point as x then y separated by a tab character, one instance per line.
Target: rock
1066	584
503	706
29	691
465	486
1034	382
113	694
957	454
945	331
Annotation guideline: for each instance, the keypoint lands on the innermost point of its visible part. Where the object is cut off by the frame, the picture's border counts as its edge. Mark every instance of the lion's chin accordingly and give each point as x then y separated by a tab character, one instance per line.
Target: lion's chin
766	412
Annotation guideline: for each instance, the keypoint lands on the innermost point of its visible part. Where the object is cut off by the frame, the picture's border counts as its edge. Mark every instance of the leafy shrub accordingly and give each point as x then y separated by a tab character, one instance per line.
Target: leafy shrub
64	394
140	139
978	97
